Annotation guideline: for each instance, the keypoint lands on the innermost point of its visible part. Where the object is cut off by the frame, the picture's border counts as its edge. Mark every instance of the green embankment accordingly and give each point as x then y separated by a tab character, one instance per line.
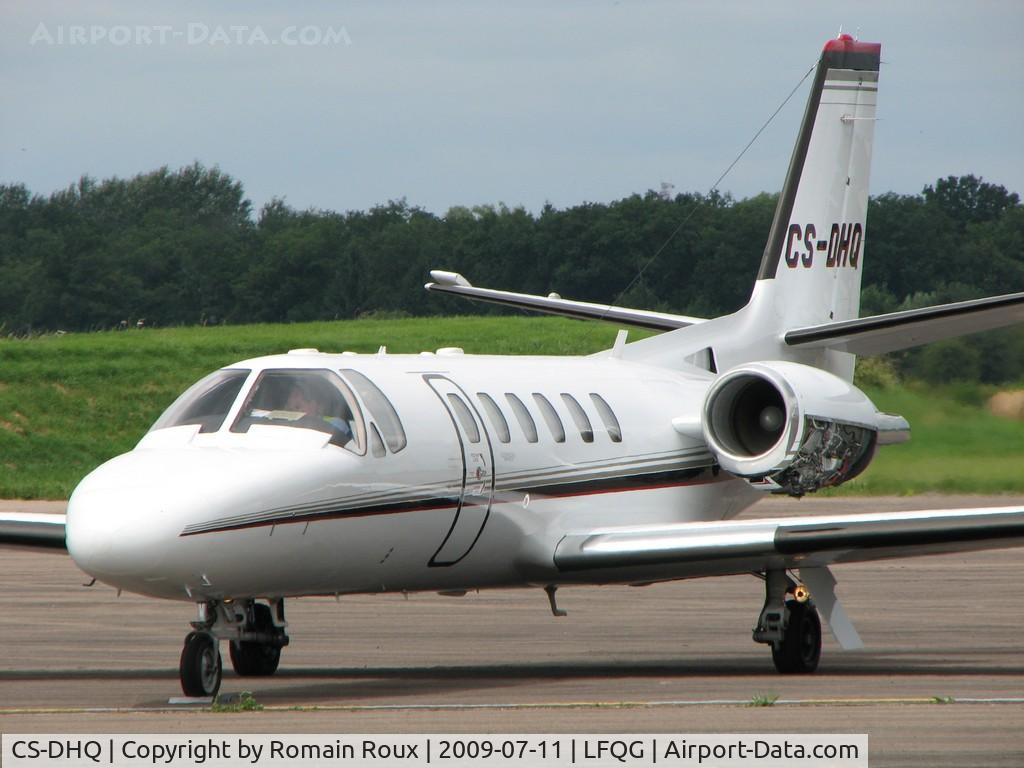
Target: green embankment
69	402
957	446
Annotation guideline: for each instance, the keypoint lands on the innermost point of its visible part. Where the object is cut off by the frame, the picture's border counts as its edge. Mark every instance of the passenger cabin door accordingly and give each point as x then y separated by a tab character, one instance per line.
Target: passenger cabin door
477	492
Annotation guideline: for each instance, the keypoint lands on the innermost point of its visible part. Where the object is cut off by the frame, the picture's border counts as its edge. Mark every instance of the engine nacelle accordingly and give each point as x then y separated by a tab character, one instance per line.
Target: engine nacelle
790	428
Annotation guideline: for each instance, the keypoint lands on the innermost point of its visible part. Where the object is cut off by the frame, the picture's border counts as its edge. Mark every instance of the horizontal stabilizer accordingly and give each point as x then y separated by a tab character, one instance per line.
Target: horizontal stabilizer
900	330
454	283
741	546
33	530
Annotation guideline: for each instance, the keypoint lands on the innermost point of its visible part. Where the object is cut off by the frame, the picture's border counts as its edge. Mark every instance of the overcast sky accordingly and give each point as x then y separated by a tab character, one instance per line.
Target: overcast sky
345	105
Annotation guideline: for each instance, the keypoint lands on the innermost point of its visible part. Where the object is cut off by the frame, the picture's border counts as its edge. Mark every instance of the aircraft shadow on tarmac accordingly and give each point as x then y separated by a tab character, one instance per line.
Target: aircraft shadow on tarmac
354	684
359	683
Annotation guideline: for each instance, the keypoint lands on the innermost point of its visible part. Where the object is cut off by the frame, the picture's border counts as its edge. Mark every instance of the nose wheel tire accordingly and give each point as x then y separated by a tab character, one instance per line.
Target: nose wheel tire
255	659
200	666
800	649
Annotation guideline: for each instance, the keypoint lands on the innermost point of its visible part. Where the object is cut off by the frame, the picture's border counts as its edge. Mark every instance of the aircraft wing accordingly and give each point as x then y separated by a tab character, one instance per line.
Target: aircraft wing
456	284
33	530
900	330
742	546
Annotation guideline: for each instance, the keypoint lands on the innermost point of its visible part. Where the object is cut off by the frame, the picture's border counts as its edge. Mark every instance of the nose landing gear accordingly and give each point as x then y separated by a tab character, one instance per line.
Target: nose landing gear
255	631
200	666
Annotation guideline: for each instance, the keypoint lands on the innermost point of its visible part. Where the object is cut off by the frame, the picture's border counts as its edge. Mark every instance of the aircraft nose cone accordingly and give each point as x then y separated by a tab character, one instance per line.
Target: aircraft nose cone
114	525
125	521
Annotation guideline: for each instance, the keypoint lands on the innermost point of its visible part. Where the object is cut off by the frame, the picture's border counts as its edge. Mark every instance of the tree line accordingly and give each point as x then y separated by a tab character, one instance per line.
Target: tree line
186	247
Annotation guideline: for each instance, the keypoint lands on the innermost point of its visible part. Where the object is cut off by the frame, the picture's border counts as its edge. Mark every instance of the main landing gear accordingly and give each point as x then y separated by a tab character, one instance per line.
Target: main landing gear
789	623
259	654
256	635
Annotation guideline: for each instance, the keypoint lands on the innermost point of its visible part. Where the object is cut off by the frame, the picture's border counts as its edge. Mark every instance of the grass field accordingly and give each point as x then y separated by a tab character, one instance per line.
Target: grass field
956	447
69	402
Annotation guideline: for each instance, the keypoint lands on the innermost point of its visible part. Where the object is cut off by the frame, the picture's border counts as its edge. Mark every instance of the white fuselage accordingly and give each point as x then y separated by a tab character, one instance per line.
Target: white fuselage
280	511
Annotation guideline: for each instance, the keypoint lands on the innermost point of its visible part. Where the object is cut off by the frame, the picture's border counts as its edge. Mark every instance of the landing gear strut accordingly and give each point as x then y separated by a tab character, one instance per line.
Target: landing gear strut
789	623
256	632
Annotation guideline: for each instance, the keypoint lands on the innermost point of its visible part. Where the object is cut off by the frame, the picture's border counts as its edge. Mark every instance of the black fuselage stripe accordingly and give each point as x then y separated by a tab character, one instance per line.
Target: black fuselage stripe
520	480
424	505
614	484
610	485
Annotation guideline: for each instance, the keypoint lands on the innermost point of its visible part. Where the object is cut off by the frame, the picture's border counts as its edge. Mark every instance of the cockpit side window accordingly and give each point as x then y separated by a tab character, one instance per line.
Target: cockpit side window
306	399
206	402
380	408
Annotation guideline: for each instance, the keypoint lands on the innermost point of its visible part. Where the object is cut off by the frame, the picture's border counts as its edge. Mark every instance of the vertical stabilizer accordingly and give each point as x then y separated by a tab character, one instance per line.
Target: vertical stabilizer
810	272
815	249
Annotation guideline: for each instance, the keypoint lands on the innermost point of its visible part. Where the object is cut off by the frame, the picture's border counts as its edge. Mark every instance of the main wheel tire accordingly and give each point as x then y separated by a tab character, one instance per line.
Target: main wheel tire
800	649
200	666
251	659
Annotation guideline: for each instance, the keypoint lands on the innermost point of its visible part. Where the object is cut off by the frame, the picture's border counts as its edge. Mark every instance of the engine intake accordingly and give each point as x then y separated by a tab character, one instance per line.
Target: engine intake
748	416
790	428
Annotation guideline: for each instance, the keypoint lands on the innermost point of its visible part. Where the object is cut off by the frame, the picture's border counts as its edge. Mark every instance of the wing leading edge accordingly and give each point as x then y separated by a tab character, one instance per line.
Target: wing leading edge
874	335
32	530
456	284
741	546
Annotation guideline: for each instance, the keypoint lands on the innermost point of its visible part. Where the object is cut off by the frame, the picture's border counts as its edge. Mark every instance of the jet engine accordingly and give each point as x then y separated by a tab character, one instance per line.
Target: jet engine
790	428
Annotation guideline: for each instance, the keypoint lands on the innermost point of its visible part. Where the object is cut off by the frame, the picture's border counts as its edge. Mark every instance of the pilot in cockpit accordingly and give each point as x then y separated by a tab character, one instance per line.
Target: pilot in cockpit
300	399
303	400
321	407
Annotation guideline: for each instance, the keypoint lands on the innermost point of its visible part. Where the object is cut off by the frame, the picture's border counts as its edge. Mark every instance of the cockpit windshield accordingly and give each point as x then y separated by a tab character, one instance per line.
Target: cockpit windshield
306	399
206	402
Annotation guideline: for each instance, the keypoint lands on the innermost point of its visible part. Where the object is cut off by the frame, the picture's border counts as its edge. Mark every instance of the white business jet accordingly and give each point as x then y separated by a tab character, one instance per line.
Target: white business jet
323	474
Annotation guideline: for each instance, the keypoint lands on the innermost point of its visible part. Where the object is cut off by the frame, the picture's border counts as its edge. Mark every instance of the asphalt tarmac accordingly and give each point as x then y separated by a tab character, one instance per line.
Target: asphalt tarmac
941	682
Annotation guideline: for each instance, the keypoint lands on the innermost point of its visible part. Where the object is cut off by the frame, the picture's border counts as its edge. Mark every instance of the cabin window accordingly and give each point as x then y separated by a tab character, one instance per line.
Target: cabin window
580	417
206	402
376	443
547	410
465	417
380	408
526	422
611	424
496	416
305	399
